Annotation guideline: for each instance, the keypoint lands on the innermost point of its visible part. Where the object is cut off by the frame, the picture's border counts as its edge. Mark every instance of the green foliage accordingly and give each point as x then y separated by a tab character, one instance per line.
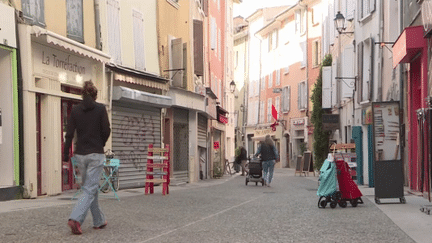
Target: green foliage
302	147
217	170
321	138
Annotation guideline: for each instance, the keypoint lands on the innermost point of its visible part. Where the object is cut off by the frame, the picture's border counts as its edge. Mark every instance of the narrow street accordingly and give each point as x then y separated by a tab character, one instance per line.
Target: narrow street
223	210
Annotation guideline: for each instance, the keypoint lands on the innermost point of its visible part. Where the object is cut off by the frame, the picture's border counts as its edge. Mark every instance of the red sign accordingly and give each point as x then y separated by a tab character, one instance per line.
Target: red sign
223	119
216	145
274	112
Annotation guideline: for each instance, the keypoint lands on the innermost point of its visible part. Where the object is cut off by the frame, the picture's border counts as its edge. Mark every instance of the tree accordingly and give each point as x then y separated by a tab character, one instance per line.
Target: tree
321	138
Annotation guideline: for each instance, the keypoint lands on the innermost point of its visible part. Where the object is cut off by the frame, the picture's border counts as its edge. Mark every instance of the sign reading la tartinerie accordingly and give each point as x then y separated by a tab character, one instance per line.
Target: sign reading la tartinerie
62	66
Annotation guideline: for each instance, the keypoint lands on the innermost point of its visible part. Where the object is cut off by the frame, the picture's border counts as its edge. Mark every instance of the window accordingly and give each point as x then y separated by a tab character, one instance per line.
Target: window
176	55
300	21
114	42
278	77
365	64
302	98
74	20
316	53
236	58
366	7
303	49
277	104
269	110
213	33
270	82
273	40
138	32
286	98
198	47
219	44
34	11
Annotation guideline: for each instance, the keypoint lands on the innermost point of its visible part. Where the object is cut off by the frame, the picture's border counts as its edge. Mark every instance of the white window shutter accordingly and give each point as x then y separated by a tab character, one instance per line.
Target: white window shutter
138	29
177	61
343	8
303	48
305	96
113	8
371	6
331	33
350	9
326	87
348	71
334	86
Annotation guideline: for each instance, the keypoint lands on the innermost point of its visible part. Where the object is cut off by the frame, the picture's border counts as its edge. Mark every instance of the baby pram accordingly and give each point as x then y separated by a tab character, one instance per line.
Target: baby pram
327	190
255	171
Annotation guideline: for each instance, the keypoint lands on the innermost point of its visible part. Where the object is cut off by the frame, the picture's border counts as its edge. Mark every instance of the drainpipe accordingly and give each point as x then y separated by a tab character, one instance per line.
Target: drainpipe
20	107
246	90
380	53
307	62
97	25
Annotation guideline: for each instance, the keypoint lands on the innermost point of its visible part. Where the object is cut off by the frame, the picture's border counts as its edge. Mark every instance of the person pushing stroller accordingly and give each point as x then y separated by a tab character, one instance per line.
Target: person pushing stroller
269	155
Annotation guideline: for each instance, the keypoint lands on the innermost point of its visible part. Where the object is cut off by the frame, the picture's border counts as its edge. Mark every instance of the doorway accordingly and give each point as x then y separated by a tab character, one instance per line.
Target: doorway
68	180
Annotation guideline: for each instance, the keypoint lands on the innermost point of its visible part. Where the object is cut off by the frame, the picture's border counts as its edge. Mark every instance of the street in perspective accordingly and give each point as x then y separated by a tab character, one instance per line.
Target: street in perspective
220	210
216	121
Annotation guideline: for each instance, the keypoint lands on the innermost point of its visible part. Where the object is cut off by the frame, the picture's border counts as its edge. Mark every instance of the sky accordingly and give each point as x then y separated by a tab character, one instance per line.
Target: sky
248	7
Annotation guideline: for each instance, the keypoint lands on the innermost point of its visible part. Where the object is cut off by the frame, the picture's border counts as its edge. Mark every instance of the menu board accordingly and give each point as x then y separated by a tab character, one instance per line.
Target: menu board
386	130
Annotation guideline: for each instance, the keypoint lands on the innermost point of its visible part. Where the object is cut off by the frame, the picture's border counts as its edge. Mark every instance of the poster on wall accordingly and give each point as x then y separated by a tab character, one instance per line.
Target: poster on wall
386	128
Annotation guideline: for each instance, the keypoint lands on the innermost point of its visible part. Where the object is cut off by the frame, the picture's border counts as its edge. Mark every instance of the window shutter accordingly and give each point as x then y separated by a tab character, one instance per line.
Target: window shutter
360	72
305	95
371	6
74	20
326	87
213	33
350	9
177	61
219	44
198	48
138	29
205	7
278	77
331	28
289	98
343	8
371	68
333	86
299	96
303	48
297	20
114	41
347	71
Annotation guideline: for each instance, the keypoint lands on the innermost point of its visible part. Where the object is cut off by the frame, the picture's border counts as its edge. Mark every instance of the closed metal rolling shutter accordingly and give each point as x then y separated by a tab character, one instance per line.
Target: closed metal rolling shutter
133	129
202	131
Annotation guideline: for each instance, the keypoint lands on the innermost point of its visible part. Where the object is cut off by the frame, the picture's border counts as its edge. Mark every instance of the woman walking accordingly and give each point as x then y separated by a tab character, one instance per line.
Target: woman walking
269	155
90	121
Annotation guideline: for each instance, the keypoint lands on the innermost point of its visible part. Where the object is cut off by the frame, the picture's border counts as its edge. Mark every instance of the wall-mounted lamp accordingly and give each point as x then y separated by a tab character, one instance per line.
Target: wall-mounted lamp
340	23
242	107
232	86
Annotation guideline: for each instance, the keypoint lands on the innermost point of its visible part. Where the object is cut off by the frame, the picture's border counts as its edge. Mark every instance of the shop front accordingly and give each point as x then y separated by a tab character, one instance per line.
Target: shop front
10	179
299	136
53	71
411	47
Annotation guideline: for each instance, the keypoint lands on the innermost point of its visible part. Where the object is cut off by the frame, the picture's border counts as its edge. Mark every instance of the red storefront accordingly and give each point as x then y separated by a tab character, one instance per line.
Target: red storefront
411	47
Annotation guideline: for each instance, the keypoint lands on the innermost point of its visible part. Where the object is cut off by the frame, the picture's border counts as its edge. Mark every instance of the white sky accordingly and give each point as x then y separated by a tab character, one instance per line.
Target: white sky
248	7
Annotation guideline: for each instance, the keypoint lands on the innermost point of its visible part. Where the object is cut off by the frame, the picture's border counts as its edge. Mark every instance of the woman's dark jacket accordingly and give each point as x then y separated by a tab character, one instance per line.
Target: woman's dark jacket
90	120
267	152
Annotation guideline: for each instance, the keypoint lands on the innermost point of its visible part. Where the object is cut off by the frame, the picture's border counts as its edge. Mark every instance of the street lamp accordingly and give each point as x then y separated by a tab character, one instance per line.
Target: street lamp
232	86
339	21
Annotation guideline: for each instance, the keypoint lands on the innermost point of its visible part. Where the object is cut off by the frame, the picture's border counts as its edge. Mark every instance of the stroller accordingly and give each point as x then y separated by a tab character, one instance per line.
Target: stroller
255	171
327	191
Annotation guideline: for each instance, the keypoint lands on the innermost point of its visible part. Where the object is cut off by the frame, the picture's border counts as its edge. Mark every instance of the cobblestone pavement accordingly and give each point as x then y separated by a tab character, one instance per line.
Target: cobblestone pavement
224	210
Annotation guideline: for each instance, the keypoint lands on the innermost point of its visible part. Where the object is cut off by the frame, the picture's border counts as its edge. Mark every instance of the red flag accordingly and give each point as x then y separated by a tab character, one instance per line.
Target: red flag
274	112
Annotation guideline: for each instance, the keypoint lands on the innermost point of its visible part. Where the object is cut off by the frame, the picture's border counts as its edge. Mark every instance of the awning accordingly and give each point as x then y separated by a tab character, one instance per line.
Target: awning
408	44
133	76
131	95
68	44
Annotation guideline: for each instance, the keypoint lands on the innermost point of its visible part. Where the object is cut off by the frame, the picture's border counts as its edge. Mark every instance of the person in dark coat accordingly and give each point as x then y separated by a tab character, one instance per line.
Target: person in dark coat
269	155
90	121
243	159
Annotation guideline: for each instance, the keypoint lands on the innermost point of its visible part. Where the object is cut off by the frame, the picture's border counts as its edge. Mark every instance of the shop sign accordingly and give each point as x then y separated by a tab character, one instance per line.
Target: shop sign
216	145
367	116
330	122
61	66
222	119
263	132
299	122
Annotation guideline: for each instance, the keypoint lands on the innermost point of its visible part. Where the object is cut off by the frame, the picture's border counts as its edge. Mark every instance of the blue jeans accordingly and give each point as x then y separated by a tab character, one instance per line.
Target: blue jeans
268	168
90	166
